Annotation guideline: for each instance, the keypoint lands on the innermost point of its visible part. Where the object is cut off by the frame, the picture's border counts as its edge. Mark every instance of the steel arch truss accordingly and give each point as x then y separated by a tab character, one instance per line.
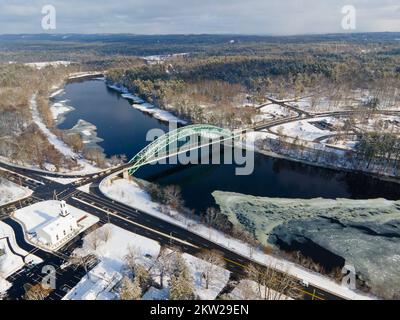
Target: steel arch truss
161	146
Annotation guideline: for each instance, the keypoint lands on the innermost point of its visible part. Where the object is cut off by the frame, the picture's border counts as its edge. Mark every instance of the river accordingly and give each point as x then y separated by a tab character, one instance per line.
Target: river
124	128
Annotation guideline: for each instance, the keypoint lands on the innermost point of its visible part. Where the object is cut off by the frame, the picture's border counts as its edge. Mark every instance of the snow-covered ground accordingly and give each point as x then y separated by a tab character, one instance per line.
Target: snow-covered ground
59	109
196	268
41	65
57	91
139	104
86	167
10	191
62	180
272	111
157	113
78	75
102	278
156	294
37	215
377	123
4	286
11	260
129	192
250	290
305	129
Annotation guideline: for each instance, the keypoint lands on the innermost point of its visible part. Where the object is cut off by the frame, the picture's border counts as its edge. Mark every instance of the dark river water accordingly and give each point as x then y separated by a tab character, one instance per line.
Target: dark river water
124	130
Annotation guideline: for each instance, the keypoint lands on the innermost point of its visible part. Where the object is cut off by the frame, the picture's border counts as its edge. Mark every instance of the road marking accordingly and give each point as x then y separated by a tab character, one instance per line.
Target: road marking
313	295
140	225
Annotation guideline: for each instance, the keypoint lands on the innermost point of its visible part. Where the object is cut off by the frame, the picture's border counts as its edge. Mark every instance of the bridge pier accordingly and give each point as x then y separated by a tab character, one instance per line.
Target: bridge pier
126	175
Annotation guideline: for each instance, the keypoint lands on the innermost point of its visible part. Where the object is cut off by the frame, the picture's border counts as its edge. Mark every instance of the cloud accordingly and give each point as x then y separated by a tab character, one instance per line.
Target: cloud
199	16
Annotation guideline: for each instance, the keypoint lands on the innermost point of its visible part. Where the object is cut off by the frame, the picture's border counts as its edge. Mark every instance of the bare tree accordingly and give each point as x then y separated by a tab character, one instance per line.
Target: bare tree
173	198
130	290
213	217
131	257
37	292
164	264
246	291
81	260
105	233
94	239
215	261
273	284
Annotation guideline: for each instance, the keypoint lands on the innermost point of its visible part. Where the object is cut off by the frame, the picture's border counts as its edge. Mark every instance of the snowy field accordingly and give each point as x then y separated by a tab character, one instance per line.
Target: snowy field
130	193
389	123
10	191
37	215
111	252
305	129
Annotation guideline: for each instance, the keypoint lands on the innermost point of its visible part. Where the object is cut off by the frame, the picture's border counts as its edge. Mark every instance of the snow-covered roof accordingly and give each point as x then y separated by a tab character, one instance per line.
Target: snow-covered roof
58	225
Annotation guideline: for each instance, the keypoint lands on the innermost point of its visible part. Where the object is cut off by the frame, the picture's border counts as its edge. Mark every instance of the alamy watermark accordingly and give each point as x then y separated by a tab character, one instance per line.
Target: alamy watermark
349	20
349	277
204	147
49	20
49	278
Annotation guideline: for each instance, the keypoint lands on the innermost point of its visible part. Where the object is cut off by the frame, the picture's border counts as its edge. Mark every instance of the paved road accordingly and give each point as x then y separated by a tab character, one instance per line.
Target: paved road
127	218
124	216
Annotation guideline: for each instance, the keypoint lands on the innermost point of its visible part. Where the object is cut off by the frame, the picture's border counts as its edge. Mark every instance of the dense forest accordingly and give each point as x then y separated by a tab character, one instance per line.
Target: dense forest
330	70
218	79
20	138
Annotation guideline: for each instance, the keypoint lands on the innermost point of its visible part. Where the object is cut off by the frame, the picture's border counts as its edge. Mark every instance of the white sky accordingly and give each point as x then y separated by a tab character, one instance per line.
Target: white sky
199	16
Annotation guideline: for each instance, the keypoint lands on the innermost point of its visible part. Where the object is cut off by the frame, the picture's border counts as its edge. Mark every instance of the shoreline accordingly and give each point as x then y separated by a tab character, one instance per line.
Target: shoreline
326	166
145	107
166	116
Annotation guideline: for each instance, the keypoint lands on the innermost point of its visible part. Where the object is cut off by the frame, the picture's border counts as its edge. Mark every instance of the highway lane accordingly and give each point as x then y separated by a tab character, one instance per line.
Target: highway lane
149	226
138	222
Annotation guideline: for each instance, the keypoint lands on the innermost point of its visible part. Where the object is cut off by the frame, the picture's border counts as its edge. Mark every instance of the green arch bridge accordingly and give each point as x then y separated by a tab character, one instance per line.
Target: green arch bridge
160	148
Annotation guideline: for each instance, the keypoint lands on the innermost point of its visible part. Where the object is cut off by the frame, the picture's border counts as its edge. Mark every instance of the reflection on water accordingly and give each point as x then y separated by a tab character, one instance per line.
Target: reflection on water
124	130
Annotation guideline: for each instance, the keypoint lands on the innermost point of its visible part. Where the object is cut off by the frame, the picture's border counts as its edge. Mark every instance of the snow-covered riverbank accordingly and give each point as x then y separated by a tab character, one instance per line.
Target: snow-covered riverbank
140	104
130	193
85	166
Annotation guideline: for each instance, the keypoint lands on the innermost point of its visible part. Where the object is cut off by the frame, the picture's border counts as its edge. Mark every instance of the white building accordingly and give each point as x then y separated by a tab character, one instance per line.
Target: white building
58	229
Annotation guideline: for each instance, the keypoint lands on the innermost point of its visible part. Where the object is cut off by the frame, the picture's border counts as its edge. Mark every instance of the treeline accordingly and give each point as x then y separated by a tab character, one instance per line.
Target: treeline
232	69
240	79
20	138
380	149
